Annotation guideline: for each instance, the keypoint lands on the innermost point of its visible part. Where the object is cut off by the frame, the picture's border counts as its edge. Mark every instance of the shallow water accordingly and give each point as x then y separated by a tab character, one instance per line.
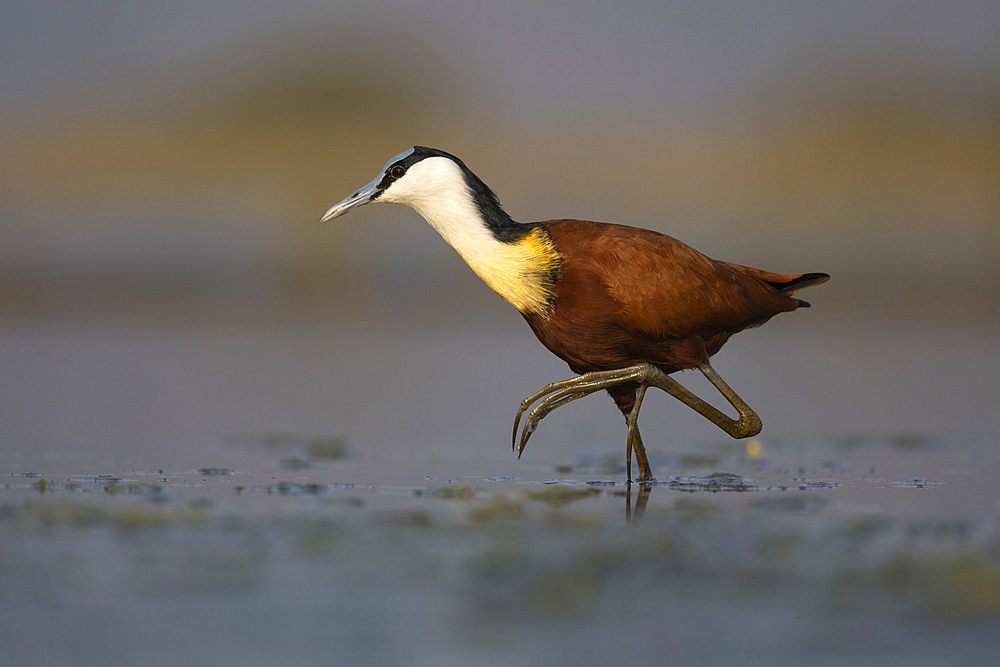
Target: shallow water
291	494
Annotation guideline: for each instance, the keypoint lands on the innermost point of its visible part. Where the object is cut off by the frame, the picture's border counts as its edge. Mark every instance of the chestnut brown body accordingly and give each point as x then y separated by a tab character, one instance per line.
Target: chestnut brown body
626	295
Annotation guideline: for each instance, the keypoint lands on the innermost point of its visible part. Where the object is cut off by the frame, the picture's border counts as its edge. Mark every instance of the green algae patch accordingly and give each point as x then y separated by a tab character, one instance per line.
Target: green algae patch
138	518
50	514
457	492
321	539
971	587
559	496
328	449
55	514
959	585
693	460
496	511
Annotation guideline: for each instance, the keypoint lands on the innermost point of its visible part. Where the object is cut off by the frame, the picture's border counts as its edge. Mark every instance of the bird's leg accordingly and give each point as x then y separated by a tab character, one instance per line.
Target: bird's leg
635	441
561	393
747	425
628	458
645	472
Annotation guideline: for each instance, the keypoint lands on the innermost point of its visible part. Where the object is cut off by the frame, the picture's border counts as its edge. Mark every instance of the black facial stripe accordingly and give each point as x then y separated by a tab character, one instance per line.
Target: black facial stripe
419	153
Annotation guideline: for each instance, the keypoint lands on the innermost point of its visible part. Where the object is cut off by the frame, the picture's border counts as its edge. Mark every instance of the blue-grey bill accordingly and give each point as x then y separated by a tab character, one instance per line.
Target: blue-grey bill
359	198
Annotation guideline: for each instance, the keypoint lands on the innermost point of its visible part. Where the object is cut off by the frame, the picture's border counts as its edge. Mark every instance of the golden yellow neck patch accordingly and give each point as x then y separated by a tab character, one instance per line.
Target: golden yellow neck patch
523	272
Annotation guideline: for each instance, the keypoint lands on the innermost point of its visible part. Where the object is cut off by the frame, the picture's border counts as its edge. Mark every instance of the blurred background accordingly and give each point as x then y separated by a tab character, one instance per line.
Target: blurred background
163	167
174	158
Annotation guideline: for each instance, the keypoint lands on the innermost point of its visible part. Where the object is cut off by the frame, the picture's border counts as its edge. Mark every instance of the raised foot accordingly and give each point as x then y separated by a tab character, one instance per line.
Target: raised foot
646	375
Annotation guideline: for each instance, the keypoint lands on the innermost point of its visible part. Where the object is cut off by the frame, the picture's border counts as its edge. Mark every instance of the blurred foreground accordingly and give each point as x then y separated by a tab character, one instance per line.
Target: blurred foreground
274	493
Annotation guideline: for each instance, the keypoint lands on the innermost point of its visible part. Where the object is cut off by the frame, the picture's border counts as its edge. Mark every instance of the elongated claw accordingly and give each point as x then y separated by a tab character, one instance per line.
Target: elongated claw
555	400
548	389
561	393
526	403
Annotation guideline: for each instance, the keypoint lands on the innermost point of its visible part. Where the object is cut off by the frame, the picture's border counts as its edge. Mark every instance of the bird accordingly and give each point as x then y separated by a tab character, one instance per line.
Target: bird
624	307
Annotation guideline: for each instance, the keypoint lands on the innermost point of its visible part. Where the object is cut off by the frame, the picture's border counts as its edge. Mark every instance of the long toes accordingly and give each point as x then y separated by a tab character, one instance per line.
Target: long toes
526	403
557	394
520	412
540	412
555	400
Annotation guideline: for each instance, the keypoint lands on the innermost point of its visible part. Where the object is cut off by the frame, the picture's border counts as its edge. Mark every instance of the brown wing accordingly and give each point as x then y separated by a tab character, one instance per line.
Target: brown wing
665	288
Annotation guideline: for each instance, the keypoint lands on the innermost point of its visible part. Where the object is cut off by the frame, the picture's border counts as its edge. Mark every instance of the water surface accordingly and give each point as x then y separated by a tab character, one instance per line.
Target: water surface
298	493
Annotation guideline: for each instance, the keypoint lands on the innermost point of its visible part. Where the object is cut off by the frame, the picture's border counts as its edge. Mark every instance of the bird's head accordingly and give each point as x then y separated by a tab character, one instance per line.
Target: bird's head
519	261
416	177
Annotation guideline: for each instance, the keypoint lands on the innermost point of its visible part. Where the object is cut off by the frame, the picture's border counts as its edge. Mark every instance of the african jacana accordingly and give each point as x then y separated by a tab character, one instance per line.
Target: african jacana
623	306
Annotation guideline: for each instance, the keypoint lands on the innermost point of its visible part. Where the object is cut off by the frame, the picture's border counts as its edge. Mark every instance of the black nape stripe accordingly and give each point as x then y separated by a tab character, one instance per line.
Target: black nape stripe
504	228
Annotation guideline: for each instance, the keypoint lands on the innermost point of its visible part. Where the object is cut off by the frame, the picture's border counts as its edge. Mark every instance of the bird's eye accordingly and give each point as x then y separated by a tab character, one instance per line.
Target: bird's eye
397	171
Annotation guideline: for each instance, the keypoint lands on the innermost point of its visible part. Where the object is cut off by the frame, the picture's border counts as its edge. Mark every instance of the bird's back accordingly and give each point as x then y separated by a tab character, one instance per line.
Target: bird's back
627	295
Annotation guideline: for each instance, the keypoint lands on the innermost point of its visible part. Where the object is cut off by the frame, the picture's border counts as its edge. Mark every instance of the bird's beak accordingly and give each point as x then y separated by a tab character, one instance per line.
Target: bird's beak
359	198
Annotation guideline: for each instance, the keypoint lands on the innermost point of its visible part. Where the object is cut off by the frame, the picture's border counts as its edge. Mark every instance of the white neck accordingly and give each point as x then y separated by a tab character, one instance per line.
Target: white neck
436	189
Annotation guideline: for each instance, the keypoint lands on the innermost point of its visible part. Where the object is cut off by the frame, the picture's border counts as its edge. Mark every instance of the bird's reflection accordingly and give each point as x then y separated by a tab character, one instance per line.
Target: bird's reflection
640	502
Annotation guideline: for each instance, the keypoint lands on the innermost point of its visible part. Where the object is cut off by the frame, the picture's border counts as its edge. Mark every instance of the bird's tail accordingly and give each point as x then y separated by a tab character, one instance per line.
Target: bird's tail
792	286
786	283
